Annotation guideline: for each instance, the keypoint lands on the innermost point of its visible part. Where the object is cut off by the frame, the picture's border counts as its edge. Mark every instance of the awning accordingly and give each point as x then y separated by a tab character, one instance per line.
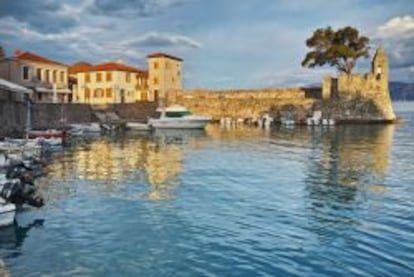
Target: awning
48	90
6	85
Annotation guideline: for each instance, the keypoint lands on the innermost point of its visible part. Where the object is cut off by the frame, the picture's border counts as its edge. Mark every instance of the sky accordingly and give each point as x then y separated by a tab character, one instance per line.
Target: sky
225	44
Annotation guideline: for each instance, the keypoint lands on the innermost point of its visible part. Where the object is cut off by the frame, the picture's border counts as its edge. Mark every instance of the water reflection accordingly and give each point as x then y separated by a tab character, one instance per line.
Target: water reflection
345	165
152	163
12	237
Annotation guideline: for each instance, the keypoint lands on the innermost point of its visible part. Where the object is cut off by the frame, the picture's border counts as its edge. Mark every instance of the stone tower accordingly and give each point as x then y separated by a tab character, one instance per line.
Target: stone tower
380	68
372	86
380	72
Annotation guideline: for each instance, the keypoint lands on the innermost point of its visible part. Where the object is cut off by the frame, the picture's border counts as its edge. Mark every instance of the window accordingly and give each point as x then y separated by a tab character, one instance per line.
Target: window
156	65
87	77
167	65
108	76
39	74
128	77
47	73
25	72
87	93
54	76
62	76
155	81
96	93
108	93
144	96
99	77
173	80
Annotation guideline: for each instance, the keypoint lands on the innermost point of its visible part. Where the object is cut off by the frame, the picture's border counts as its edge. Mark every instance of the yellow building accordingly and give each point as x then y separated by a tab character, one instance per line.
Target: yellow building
164	78
47	78
108	83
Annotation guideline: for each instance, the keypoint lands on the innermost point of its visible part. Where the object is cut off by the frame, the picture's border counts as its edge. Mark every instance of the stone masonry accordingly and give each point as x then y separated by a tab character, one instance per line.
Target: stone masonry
372	86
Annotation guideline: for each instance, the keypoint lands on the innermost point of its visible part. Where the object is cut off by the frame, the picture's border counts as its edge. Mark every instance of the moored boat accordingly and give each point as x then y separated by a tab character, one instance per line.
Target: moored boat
178	117
7	213
50	137
136	126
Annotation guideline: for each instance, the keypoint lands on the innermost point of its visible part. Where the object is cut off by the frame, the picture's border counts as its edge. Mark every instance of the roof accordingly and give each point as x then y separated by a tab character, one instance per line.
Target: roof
79	67
163	55
13	87
27	56
111	66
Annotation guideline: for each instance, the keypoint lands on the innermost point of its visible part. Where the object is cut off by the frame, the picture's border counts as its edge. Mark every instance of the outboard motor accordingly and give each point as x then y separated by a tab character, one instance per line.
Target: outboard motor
21	190
20	193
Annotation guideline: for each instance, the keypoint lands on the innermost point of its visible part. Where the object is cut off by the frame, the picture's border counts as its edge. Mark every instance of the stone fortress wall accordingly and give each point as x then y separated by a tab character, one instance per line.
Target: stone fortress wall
243	103
354	97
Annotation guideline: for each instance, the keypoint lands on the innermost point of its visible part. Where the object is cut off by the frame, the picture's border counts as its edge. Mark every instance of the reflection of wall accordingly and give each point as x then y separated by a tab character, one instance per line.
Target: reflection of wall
368	152
343	164
352	156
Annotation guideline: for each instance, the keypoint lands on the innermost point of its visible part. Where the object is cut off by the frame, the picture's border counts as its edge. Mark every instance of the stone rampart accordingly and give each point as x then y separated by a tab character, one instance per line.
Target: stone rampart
243	103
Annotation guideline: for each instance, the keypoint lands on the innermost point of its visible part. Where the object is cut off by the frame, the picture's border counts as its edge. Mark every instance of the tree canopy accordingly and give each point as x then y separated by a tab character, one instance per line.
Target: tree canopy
341	48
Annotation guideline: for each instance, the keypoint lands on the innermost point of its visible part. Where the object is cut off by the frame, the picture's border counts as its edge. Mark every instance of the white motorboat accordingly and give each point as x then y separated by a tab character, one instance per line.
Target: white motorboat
7	213
136	126
178	117
79	129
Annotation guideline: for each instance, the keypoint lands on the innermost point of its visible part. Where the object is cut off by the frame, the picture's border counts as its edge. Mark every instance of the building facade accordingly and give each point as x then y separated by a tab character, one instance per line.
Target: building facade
108	83
47	78
165	75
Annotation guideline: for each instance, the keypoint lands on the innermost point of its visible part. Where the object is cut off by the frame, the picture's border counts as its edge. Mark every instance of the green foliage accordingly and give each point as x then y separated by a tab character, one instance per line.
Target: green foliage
341	48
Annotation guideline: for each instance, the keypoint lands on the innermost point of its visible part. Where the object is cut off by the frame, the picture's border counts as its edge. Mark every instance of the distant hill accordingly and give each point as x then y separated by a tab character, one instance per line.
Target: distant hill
402	91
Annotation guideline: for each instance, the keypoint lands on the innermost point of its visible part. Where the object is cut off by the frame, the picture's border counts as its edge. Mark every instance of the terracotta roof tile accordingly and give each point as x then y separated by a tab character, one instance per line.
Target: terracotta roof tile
163	55
79	67
27	56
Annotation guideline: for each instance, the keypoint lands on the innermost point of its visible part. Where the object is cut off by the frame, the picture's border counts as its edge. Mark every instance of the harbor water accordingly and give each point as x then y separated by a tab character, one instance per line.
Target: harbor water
321	201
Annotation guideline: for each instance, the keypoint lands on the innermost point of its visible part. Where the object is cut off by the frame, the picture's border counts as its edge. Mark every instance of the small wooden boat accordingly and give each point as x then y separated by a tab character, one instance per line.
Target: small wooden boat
49	137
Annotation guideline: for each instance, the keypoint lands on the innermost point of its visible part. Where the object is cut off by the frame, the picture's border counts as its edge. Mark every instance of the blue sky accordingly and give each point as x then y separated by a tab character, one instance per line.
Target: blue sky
224	43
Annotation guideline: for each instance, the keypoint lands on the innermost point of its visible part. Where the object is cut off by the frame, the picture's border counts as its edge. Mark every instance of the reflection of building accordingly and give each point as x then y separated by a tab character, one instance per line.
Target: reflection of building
108	83
155	165
164	77
47	78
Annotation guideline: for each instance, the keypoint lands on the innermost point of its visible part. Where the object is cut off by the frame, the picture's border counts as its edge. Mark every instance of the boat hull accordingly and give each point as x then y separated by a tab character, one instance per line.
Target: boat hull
177	123
7	214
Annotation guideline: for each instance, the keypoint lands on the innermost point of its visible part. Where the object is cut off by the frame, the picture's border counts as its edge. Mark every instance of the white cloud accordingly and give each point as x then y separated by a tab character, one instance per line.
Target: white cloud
397	27
69	11
156	39
12	27
397	36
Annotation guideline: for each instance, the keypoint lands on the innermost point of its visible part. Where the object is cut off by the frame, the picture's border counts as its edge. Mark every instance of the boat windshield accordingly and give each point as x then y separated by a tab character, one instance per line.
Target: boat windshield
177	114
